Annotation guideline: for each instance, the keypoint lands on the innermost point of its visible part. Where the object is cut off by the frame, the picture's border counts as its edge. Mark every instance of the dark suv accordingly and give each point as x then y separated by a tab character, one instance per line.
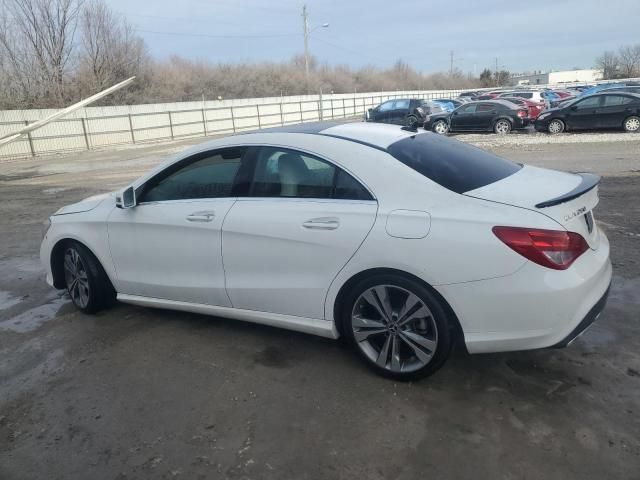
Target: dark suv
402	111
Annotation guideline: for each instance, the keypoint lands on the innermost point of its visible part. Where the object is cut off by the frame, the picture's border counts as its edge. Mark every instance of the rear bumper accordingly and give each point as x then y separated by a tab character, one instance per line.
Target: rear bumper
535	307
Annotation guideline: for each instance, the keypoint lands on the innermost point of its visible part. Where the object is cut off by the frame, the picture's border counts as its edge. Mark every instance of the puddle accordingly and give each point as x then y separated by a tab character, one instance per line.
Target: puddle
53	191
7	300
33	318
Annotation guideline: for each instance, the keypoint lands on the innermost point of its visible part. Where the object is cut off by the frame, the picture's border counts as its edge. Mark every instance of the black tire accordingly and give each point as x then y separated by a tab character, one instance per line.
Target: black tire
558	127
411	121
502	126
443	326
99	293
631	124
440	122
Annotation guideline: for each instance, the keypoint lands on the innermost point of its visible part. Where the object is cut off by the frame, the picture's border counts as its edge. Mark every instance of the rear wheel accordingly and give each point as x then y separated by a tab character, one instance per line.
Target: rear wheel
86	282
397	326
441	127
502	127
556	126
632	124
411	121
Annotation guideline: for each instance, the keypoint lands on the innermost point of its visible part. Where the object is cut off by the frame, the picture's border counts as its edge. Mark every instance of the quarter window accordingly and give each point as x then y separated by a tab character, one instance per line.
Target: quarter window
205	175
291	174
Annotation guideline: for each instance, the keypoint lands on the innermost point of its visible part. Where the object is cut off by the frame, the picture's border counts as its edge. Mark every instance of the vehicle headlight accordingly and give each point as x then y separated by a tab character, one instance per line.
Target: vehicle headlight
45	227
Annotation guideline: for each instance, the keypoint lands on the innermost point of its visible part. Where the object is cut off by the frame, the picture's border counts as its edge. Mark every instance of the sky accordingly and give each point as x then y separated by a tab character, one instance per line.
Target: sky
522	35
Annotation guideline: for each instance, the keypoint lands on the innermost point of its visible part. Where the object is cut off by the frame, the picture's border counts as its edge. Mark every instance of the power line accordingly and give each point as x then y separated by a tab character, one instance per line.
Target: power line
183	34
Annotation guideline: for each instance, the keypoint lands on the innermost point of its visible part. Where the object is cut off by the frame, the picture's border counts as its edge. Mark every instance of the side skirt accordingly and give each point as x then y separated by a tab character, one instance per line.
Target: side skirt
322	328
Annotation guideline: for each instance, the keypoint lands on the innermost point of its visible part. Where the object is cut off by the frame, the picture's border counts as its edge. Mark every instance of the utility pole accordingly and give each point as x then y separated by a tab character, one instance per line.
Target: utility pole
497	75
451	63
305	27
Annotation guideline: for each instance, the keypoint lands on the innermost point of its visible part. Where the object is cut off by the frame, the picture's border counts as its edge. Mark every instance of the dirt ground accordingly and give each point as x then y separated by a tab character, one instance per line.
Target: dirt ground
137	393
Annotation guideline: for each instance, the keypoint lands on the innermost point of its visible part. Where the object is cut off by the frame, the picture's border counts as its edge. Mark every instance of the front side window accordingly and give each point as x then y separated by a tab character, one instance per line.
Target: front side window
292	174
524	94
205	175
468	108
386	106
592	102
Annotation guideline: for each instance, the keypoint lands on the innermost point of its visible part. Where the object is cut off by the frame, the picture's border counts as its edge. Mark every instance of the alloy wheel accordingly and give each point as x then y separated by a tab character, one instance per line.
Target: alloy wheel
76	278
632	124
394	328
503	127
440	127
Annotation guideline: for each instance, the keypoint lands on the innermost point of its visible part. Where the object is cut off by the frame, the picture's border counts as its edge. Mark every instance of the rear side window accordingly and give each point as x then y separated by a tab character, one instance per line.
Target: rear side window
486	107
401	105
454	165
616	100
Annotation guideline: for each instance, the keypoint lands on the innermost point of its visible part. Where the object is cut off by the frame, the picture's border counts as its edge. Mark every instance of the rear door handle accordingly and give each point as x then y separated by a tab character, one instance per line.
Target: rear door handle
205	216
322	223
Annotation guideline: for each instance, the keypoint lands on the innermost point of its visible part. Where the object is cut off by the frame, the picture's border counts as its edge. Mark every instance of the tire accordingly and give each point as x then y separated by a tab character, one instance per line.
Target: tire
555	126
410	121
440	127
632	124
502	126
402	346
86	282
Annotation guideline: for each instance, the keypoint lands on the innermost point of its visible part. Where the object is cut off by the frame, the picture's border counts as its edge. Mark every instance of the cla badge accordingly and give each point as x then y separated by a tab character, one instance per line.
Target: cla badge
575	213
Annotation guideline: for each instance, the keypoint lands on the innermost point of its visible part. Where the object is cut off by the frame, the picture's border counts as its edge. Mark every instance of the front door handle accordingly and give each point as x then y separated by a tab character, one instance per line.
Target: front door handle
205	216
322	223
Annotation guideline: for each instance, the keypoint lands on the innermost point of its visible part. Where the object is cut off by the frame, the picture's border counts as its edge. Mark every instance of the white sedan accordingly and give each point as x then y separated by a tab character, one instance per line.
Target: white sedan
403	242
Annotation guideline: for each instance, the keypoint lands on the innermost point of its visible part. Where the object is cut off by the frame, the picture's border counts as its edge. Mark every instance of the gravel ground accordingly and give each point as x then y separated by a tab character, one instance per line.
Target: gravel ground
135	393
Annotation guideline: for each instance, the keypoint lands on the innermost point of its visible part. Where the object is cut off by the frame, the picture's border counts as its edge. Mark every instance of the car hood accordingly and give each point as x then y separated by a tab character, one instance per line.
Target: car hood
85	205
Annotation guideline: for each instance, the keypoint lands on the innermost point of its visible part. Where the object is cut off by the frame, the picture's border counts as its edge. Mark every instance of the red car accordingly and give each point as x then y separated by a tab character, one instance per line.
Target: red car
534	108
563	93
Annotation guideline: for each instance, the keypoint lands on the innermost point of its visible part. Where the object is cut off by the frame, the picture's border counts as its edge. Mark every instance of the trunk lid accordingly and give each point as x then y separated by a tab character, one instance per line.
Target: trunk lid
567	198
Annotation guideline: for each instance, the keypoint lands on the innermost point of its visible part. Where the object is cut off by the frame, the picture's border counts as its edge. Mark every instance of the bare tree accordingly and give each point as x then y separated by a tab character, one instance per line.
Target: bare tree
629	58
608	64
109	49
39	43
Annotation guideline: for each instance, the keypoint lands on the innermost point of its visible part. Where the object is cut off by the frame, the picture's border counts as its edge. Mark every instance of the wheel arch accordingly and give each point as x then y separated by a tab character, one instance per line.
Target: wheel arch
458	333
56	260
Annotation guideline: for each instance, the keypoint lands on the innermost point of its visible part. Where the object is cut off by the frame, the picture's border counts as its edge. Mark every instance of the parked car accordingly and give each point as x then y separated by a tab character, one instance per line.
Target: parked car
600	111
606	86
449	104
533	95
499	116
533	108
357	239
469	94
403	111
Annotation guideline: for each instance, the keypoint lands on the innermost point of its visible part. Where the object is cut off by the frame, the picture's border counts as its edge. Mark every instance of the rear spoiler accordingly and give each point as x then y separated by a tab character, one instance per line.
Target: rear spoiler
589	181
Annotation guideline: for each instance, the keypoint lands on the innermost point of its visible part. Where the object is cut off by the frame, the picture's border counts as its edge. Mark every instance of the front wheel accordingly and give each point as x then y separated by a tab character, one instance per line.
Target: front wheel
555	127
502	127
87	283
441	127
397	326
632	124
411	121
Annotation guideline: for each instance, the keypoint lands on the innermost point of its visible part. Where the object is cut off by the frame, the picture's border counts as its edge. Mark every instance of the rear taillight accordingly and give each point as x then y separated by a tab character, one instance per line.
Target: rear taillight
522	113
550	248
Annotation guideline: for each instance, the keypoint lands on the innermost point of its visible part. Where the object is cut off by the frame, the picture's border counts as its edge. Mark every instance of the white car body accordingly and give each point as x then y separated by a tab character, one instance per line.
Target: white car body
283	261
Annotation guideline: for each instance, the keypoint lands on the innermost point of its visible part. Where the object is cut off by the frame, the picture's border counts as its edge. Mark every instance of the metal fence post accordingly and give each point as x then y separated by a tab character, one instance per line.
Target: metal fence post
332	114
33	151
204	122
320	112
170	125
133	137
233	120
281	114
84	131
344	110
301	119
258	112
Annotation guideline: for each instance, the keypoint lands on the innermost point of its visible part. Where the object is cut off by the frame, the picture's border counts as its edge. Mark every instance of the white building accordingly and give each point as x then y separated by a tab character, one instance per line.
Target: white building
567	76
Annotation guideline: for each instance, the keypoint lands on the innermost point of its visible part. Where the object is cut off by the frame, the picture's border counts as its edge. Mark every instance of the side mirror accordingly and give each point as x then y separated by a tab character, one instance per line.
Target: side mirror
574	107
126	198
455	113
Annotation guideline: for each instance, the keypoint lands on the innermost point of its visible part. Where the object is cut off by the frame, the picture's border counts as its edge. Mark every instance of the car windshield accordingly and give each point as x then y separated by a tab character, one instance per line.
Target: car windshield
456	166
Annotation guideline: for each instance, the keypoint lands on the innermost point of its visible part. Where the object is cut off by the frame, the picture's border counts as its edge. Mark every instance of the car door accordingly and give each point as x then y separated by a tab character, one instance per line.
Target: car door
613	111
399	112
169	245
583	114
462	118
483	116
284	244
